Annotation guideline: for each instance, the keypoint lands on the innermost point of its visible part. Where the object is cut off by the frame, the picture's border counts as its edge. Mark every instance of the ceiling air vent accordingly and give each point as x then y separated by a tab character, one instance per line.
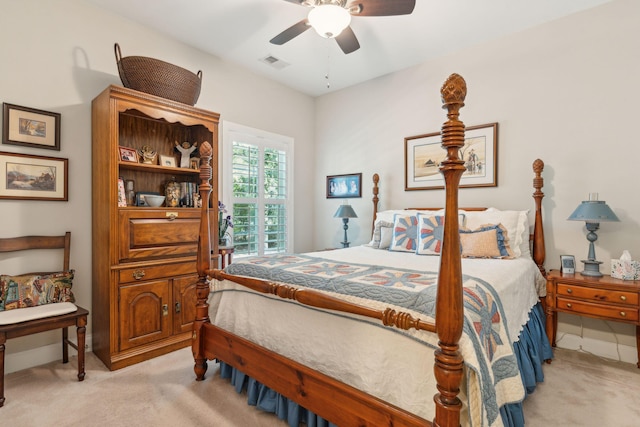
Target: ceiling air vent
274	62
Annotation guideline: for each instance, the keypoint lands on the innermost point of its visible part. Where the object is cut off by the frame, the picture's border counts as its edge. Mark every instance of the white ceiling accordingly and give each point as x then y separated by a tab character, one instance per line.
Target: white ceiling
239	31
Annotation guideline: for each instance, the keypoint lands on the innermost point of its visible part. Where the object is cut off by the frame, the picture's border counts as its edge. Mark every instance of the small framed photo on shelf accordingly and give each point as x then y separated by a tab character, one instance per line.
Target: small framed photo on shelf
128	155
195	163
168	161
567	264
31	127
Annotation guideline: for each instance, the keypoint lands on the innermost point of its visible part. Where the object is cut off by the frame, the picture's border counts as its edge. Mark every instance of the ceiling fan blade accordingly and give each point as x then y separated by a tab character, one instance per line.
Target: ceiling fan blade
291	32
348	41
381	7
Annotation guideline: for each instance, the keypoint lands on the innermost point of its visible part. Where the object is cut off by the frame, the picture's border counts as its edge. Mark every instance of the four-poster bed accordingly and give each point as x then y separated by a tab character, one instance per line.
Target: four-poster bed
347	399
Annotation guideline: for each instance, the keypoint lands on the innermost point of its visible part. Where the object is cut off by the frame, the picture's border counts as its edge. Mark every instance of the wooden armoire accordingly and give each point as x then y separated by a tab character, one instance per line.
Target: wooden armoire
144	258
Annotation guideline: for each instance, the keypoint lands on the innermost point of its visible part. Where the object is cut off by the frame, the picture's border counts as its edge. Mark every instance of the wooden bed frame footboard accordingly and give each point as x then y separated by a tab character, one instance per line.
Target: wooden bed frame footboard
333	400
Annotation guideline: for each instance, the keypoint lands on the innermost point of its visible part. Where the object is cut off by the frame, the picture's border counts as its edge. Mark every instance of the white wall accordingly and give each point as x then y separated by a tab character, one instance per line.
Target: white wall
57	56
564	92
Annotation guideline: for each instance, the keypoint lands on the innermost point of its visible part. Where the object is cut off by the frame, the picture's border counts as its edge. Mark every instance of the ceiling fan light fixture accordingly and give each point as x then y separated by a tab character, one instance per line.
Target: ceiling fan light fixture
329	20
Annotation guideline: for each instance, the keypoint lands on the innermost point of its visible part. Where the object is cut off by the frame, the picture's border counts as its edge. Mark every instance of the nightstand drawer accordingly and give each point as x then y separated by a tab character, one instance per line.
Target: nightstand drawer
629	314
599	295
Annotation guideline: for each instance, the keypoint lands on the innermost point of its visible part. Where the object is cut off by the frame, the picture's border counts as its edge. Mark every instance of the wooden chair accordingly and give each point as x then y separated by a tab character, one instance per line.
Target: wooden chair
42	318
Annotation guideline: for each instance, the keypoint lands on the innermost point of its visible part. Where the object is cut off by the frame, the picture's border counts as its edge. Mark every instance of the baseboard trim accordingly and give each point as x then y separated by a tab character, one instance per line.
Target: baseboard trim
605	349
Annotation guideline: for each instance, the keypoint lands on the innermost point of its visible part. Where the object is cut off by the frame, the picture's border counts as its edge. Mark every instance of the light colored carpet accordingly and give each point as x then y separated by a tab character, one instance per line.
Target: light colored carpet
579	390
584	390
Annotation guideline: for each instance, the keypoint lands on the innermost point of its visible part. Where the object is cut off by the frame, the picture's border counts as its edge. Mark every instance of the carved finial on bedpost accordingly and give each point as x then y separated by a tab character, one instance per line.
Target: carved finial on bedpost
376	179
449	303
539	253
203	262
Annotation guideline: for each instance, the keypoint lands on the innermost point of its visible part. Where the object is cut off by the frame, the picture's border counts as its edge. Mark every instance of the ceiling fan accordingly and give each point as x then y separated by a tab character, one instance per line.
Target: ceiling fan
331	18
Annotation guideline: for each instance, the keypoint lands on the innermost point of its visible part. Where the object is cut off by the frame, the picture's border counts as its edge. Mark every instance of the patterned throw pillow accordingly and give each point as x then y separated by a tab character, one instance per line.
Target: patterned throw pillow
430	234
31	290
405	233
488	241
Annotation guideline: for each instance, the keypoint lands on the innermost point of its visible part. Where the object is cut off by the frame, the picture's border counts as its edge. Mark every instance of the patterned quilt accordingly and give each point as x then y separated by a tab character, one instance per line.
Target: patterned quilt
493	378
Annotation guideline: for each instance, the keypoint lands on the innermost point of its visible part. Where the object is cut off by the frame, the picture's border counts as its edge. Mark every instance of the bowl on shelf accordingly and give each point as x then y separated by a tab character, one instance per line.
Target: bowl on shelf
154	200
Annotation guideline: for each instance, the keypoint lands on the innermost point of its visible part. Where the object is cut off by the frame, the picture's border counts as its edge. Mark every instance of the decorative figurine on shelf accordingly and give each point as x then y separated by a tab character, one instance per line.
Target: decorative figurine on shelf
172	193
148	155
131	194
197	200
186	150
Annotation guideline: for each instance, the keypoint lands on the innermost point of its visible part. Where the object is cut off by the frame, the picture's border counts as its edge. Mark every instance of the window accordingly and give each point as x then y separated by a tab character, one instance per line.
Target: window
257	189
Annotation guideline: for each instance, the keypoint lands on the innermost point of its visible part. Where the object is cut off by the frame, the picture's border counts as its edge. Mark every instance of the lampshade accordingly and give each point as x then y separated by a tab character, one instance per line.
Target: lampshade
593	211
345	211
329	20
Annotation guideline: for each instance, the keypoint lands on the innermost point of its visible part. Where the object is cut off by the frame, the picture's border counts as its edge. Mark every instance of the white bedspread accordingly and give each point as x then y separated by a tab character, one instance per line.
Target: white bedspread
394	366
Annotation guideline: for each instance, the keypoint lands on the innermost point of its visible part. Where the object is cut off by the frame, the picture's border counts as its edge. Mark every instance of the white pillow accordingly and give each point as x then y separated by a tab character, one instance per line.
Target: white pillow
380	225
390	214
516	223
386	235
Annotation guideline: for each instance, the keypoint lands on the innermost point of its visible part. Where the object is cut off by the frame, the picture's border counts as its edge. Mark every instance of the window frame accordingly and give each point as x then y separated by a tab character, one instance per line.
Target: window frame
262	139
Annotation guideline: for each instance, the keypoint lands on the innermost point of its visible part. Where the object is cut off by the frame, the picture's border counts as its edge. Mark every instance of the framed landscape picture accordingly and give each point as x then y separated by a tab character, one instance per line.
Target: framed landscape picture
423	154
26	177
30	127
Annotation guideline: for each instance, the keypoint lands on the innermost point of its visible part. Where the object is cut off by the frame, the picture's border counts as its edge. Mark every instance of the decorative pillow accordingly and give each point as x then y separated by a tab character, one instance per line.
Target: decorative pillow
377	233
431	232
386	236
515	222
30	290
488	241
405	233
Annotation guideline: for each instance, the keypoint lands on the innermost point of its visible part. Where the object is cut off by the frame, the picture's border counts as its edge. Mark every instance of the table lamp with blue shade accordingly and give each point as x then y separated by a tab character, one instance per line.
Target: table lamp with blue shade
345	212
592	212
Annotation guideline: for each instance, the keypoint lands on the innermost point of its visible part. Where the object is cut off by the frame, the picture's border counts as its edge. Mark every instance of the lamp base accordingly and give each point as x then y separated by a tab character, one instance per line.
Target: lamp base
345	244
591	268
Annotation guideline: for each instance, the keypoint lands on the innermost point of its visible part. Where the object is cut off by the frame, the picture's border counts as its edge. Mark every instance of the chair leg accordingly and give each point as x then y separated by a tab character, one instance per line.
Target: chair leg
81	333
65	345
3	339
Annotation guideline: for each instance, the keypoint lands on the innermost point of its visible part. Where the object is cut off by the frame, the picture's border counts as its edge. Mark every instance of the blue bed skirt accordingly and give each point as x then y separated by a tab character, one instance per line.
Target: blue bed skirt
531	351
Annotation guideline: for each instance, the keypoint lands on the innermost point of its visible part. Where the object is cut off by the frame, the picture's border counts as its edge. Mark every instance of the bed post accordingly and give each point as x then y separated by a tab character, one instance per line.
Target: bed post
203	262
376	179
449	303
539	253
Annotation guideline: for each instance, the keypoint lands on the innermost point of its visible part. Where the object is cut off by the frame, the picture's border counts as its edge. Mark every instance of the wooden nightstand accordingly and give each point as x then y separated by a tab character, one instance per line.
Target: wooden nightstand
603	298
226	255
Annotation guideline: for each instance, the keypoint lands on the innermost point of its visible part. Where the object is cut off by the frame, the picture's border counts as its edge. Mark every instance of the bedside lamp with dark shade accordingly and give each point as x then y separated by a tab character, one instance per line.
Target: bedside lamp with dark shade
592	212
345	212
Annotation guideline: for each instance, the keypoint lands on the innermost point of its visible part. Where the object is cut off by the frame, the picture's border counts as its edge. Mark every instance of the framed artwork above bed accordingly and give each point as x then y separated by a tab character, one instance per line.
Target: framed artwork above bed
423	154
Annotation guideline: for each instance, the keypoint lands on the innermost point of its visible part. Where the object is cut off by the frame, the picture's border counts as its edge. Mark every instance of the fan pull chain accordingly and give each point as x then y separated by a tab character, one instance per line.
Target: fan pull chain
326	76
